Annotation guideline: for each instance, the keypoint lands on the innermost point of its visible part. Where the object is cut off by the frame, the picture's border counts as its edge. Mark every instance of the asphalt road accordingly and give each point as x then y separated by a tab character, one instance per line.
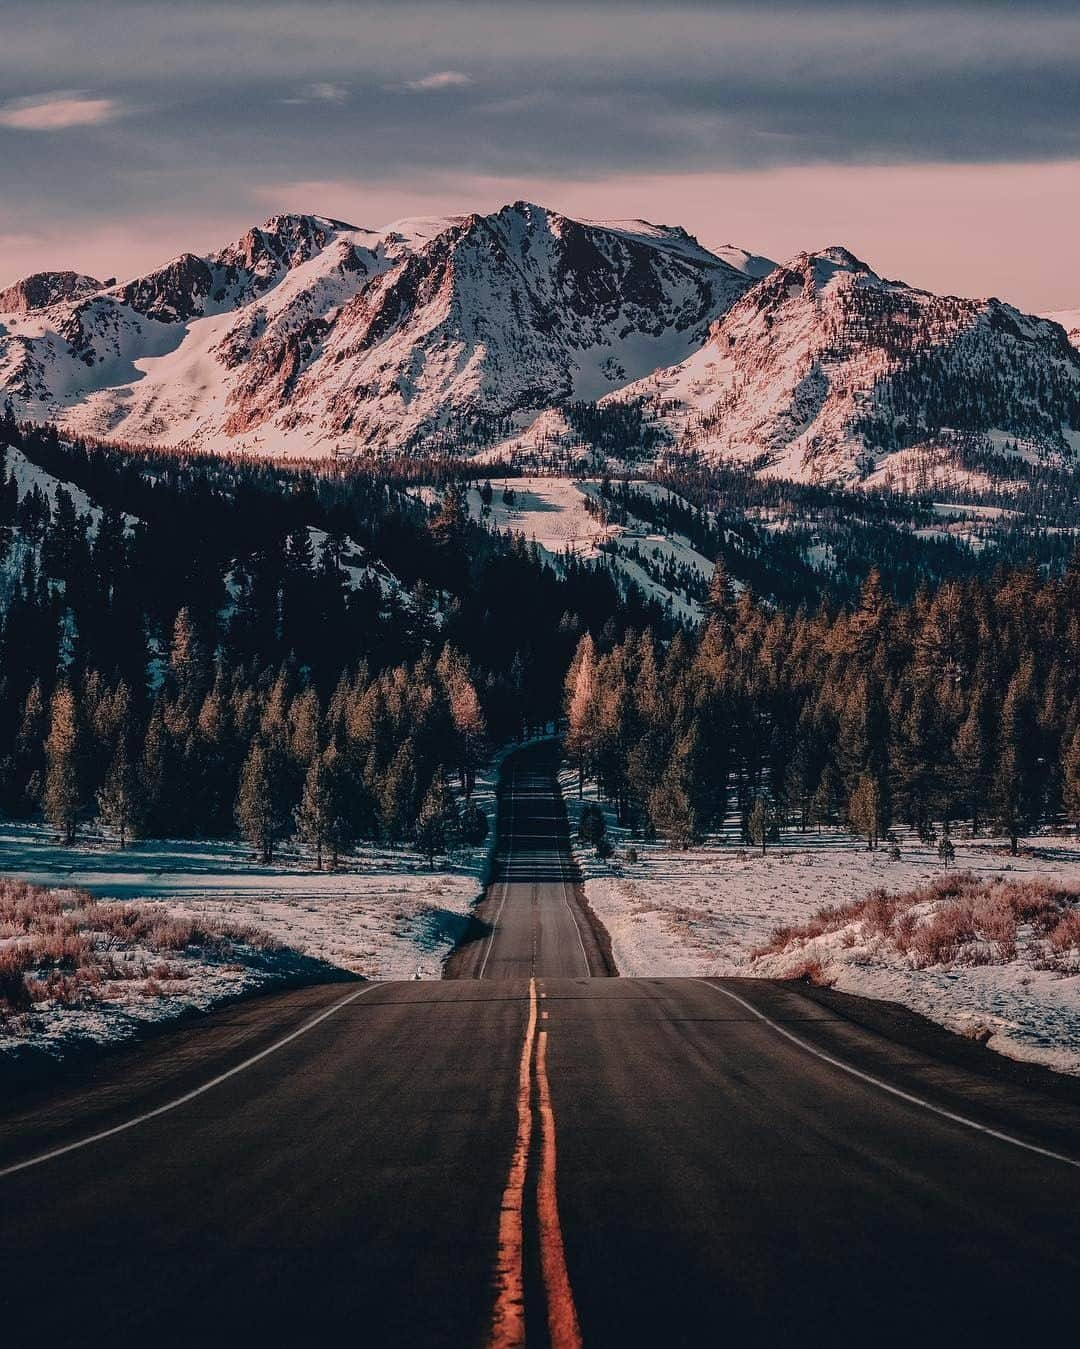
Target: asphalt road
540	1156
533	919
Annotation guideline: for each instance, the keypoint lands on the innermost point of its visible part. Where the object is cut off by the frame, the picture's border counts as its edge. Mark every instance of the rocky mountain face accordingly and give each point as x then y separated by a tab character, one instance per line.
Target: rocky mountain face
313	337
44	289
825	371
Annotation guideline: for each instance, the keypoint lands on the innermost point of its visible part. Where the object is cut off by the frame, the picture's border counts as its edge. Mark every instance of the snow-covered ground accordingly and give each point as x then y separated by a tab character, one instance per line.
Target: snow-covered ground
382	915
92	971
548	511
552	512
707	910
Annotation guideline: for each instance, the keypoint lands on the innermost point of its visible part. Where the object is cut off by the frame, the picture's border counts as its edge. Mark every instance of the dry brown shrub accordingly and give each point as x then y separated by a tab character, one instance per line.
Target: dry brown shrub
63	946
811	971
957	919
1064	936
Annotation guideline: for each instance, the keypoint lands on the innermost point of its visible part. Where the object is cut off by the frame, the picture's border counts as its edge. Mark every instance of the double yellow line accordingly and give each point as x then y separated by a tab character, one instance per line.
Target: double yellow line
508	1317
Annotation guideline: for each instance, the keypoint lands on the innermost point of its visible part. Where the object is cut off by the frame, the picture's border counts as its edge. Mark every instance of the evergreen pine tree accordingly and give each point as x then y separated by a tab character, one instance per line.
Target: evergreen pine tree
1013	794
63	789
29	760
397	794
438	822
118	796
318	809
720	605
760	824
1070	779
864	810
261	810
474	824
672	804
580	693
972	758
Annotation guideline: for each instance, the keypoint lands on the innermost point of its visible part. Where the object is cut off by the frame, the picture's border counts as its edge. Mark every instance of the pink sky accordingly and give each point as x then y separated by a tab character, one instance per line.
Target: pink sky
1002	229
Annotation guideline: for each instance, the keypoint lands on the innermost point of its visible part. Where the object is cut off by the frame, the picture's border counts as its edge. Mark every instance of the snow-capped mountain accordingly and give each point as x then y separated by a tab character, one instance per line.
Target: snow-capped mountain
826	372
312	336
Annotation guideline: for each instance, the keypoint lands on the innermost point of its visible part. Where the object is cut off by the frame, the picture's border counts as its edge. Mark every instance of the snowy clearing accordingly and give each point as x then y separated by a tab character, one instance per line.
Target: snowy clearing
382	915
76	970
552	512
706	910
379	915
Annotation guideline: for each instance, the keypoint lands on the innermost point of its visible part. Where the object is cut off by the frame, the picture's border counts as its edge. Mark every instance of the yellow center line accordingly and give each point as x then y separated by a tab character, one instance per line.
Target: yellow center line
508	1318
563	1329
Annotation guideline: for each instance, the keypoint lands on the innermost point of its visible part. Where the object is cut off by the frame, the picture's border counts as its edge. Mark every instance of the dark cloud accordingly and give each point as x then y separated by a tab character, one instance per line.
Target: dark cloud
220	100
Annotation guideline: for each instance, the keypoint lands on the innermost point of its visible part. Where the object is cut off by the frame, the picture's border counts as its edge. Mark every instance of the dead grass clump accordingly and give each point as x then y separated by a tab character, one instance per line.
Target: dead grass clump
958	919
1063	941
23	906
811	971
877	917
63	947
14	994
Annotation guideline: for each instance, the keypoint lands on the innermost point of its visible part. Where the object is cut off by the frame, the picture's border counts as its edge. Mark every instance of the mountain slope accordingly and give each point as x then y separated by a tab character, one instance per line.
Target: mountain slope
1069	320
826	372
311	336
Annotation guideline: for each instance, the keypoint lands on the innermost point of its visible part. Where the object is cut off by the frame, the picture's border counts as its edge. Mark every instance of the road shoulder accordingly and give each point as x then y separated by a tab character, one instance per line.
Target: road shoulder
54	1102
915	1055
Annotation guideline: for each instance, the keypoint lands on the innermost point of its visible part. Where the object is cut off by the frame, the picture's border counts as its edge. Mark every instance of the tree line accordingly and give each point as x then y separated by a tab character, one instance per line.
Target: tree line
213	752
157	636
962	705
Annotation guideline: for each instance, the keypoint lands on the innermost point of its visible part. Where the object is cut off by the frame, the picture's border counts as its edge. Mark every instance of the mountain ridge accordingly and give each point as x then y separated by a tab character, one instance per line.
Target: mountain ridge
310	335
827	371
482	332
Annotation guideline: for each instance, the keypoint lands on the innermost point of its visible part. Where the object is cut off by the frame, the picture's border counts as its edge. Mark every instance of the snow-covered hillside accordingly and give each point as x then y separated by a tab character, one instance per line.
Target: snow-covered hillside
566	515
313	337
826	372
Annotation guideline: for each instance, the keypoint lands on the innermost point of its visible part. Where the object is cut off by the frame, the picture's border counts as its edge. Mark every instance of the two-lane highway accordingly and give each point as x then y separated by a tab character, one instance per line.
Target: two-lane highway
533	919
541	1157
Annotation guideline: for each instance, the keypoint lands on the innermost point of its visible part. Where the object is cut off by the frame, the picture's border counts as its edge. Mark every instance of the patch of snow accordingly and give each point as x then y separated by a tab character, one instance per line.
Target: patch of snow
28	475
552	512
706	910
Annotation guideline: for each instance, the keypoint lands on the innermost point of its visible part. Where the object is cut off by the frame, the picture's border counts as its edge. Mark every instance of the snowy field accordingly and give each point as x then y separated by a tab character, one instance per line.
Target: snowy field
379	915
75	969
706	910
382	915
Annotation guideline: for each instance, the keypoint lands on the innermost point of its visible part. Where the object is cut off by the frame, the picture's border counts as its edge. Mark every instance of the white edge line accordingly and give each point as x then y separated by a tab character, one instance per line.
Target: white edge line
495	922
893	1091
573	916
188	1096
506	886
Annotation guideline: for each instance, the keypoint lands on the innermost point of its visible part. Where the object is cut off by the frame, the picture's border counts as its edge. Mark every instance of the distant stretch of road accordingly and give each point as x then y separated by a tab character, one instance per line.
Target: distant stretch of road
532	919
529	1154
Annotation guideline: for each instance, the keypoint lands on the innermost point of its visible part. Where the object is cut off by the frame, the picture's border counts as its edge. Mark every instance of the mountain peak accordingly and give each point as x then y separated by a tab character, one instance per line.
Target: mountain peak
825	371
42	289
818	269
839	256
